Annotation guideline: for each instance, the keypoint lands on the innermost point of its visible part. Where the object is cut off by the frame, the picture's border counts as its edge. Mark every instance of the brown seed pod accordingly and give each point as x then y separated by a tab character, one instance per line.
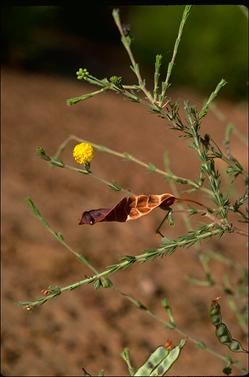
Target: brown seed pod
131	208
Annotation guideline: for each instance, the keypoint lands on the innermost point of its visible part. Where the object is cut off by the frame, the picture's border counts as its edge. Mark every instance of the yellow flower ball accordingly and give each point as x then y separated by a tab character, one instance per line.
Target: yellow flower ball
83	153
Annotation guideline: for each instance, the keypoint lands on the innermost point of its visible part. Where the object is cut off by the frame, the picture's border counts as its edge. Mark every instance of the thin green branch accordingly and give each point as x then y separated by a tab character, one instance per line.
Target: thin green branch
209	168
158	63
83	97
166	84
174	327
211	98
112	185
168	247
201	146
57	235
129	157
52	292
126	41
57	162
235	168
176	193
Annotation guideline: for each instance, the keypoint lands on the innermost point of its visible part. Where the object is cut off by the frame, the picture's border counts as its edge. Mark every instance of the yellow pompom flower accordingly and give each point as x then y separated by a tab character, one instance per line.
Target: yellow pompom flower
83	153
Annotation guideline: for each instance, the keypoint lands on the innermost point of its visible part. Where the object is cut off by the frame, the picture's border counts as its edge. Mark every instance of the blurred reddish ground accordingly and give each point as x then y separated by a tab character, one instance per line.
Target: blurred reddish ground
87	327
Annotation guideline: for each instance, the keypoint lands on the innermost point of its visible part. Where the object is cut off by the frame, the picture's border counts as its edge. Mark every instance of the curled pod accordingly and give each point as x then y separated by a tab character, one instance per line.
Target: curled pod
129	208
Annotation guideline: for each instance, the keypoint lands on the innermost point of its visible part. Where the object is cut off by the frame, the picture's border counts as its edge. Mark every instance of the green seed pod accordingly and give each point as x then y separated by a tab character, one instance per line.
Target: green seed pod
215	313
216	319
225	339
168	361
223	334
222	330
155	358
235	346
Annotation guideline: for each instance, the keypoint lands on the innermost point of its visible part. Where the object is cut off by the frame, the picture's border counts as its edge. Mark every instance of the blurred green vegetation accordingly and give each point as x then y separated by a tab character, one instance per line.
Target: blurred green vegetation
214	44
59	39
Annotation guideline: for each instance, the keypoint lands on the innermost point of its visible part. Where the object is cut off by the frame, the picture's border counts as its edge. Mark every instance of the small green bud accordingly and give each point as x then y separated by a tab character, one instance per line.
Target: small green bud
59	236
41	152
82	73
54	290
106	282
201	345
116	80
127	156
151	167
182	181
170	325
97	284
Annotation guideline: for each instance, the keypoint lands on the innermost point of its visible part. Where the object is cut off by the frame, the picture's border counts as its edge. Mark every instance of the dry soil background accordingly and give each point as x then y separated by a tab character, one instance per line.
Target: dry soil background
87	327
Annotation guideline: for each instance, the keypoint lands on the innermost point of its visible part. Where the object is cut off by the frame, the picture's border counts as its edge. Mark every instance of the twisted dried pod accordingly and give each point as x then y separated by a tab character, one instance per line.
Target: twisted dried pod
129	208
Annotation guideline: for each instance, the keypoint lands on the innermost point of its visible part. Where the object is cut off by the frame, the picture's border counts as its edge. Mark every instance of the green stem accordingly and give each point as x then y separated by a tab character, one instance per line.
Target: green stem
97	177
165	84
156	76
73	101
181	242
55	161
97	275
129	157
176	193
57	235
211	98
126	45
180	331
210	172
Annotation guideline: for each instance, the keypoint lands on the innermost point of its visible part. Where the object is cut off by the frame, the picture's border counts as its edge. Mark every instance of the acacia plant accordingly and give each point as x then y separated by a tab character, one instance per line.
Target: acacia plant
131	207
